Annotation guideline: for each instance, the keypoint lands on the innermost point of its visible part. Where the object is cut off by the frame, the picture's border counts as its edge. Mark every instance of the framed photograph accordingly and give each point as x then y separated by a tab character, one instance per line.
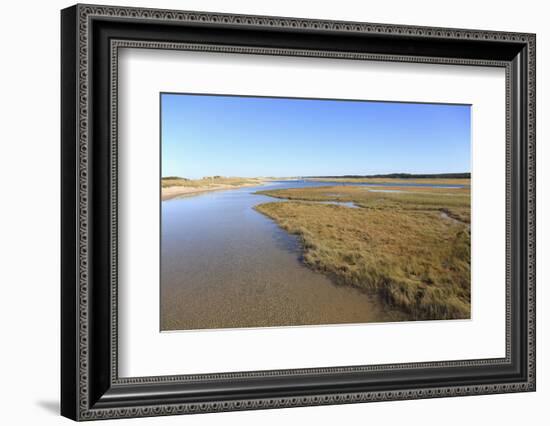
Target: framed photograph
263	212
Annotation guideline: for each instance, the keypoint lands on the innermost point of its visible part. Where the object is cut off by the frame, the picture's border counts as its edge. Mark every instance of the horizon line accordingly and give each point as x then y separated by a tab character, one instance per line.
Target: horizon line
377	175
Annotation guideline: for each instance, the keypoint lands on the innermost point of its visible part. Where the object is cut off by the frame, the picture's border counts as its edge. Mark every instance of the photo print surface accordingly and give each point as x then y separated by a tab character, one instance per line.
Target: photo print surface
294	212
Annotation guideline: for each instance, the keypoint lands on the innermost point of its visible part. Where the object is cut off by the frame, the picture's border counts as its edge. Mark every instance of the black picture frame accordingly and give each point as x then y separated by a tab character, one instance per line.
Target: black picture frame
90	386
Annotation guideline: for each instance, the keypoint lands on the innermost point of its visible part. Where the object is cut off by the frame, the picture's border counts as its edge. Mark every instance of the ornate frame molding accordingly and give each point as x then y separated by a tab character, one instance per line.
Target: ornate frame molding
87	407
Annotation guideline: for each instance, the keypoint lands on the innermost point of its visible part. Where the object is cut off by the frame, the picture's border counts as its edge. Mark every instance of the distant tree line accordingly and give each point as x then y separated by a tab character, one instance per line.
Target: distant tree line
173	177
405	176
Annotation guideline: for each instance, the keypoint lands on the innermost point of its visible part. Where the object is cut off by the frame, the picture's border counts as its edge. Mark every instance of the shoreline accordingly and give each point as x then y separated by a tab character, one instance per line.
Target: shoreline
171	192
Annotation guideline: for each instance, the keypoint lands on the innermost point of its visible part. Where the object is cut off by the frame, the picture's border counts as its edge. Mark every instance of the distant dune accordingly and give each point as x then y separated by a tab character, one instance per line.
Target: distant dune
174	186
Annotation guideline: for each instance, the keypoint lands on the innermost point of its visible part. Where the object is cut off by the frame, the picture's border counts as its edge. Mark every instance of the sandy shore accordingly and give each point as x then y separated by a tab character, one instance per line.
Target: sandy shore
176	191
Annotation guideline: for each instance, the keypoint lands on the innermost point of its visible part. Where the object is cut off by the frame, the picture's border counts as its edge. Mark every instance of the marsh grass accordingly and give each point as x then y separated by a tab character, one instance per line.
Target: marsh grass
398	245
455	202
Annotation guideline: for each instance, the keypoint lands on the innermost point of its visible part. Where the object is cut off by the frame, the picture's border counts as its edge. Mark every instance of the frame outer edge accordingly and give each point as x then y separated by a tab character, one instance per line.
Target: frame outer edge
69	193
83	85
83	13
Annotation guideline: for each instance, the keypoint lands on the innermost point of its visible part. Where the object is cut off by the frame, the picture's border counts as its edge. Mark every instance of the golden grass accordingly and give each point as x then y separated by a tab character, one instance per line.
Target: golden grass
406	247
208	181
454	202
429	181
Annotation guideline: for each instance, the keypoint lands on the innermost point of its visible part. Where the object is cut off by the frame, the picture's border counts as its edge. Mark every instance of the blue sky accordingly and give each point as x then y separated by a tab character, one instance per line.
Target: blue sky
204	135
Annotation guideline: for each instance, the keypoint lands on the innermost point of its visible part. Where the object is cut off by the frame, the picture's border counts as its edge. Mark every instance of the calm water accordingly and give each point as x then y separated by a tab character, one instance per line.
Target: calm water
224	265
